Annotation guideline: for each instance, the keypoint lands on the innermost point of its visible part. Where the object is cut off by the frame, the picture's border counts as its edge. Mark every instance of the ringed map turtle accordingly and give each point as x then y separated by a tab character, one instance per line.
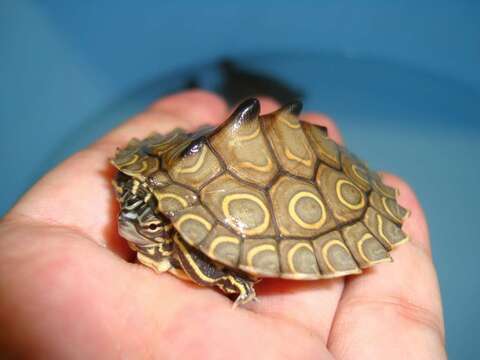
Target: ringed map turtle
258	196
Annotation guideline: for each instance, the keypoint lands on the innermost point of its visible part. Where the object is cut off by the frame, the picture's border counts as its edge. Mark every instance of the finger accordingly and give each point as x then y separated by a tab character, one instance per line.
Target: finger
268	105
393	308
123	308
78	192
188	110
81	292
310	304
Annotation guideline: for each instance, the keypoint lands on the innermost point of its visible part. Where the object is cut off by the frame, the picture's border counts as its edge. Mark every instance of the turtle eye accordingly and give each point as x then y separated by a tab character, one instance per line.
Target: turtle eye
153	227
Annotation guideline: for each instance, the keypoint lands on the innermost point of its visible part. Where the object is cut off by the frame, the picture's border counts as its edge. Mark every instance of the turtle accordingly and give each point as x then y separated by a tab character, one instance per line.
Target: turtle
259	196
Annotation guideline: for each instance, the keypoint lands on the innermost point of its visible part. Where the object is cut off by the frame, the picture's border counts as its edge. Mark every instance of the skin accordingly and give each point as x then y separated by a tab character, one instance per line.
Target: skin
69	288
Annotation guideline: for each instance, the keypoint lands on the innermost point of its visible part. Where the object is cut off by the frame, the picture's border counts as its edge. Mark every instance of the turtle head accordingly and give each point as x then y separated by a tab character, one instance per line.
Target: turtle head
138	222
142	227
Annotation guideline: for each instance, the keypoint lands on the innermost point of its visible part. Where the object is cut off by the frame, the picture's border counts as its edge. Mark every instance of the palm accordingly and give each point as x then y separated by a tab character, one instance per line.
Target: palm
66	296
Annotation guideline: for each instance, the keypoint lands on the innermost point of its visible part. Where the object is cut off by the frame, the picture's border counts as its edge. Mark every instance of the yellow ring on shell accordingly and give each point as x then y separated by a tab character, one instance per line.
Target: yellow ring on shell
291	254
176	197
327	247
380	230
292	156
295	125
129	161
221	240
258	249
155	167
351	206
382	233
193	217
143	167
293	213
198	164
388	210
357	173
262	168
241	138
364	238
259	229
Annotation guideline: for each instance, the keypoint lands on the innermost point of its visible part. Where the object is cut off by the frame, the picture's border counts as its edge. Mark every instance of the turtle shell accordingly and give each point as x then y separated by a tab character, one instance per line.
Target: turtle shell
270	195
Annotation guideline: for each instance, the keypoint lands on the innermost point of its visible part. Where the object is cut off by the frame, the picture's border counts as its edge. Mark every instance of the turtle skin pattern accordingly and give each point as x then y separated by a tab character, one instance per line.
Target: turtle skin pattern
270	195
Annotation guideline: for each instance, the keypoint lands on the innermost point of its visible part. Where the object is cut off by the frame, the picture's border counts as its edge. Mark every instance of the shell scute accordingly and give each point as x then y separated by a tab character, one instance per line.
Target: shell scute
240	206
388	207
298	260
363	245
346	200
387	232
173	198
196	168
356	171
290	144
299	208
222	245
260	257
325	148
193	223
333	256
133	161
245	151
379	186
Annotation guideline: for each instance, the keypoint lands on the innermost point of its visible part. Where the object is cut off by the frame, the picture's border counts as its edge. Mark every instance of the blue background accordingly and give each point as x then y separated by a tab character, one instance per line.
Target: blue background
402	80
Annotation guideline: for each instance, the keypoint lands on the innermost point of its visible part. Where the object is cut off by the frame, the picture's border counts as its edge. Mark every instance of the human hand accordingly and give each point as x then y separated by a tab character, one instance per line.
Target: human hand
68	289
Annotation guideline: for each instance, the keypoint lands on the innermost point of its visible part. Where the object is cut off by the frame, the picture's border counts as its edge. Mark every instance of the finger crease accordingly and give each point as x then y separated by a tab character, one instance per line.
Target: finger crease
20	219
404	309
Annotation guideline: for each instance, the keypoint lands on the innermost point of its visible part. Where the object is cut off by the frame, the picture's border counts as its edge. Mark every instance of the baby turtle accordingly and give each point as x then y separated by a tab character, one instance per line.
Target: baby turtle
258	196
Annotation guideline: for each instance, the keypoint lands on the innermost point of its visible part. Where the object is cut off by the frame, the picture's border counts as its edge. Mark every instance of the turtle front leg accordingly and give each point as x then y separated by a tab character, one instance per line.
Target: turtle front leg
205	272
234	284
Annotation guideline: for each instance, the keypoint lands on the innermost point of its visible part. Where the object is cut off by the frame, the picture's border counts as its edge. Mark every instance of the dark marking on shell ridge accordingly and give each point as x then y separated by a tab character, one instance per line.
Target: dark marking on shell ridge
294	108
246	111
